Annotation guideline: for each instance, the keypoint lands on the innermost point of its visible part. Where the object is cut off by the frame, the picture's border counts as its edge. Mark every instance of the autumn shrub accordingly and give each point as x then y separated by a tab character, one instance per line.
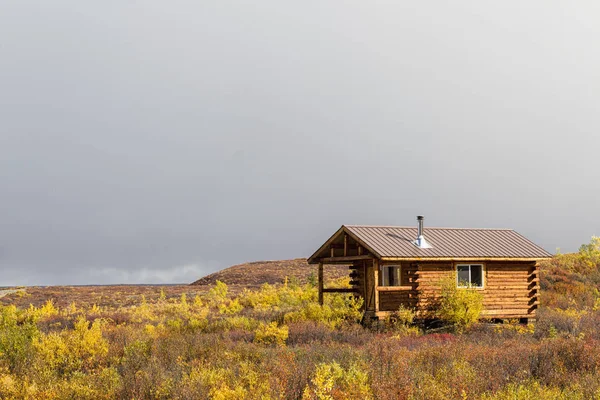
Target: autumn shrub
80	349
589	255
307	332
271	334
235	322
554	322
346	308
266	297
558	362
533	390
230	307
338	310
391	368
17	334
330	381
310	312
136	356
47	310
278	298
455	379
589	325
460	307
401	322
117	317
511	329
572	280
499	363
242	381
217	294
10	388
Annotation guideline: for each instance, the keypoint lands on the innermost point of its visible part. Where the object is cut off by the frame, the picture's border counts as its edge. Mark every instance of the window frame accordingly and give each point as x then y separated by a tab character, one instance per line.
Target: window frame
383	274
483	273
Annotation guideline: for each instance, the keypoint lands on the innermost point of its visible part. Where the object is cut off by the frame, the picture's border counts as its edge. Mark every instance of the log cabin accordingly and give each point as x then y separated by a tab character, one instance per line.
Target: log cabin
392	266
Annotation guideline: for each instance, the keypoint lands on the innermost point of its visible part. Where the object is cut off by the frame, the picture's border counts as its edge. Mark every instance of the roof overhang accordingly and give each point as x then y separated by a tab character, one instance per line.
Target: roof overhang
458	259
314	259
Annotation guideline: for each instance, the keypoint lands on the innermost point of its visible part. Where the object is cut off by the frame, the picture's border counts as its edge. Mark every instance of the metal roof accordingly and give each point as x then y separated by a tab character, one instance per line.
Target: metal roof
394	241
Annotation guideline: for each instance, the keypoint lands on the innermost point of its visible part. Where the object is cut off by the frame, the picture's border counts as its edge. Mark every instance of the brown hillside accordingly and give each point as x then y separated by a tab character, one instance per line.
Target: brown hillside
259	272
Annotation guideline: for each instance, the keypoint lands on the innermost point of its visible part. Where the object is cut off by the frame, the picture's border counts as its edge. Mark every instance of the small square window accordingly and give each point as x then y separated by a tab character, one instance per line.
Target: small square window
469	276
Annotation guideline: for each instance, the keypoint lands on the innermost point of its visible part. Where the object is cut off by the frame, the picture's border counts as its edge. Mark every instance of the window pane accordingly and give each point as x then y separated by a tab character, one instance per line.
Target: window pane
463	275
397	276
477	275
390	276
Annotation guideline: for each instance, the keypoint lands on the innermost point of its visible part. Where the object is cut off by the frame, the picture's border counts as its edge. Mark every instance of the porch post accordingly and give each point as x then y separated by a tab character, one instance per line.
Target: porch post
320	283
376	283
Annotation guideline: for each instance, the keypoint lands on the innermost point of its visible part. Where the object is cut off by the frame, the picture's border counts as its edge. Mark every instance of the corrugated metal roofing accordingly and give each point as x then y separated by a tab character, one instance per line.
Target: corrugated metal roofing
394	241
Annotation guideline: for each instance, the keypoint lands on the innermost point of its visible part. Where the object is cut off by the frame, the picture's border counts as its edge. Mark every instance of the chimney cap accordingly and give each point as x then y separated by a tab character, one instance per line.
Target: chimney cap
420	217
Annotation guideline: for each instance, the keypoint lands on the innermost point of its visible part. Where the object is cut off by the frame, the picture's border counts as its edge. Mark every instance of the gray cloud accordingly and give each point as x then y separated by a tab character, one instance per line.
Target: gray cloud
138	137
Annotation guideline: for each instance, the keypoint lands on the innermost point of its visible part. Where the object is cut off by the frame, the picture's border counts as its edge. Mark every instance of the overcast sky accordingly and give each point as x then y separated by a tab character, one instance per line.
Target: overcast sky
157	141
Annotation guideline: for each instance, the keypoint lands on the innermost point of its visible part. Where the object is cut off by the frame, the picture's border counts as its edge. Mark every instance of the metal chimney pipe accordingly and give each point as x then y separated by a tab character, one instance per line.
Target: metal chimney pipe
421	242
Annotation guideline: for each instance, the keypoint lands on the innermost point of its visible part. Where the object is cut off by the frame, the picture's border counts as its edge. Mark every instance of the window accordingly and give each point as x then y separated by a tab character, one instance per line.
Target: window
469	275
391	275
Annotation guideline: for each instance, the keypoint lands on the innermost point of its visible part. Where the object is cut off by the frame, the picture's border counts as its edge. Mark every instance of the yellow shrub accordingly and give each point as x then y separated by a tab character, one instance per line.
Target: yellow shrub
533	391
220	382
183	302
198	301
401	322
338	310
143	312
218	293
459	306
240	322
8	385
271	334
71	350
240	381
268	297
330	378
522	329
47	310
231	307
17	332
72	309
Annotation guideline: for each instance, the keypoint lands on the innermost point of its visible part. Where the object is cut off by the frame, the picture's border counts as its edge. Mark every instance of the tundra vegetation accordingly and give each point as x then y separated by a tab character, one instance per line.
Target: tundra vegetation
276	342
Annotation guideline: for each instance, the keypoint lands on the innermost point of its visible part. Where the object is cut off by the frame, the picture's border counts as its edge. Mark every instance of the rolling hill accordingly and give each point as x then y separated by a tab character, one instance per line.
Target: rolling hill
260	272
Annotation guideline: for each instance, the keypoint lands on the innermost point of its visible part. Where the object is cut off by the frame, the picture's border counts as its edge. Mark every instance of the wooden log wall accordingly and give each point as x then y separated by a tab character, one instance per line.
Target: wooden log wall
391	300
428	278
510	289
357	279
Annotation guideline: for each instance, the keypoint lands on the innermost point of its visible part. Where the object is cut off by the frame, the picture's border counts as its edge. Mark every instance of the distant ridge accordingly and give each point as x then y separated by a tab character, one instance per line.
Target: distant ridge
260	272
